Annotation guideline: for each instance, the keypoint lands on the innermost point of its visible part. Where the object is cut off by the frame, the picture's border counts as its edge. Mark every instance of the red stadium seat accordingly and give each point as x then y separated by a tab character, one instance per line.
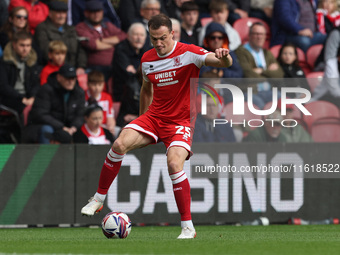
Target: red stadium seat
206	20
321	111
312	54
314	79
242	27
326	131
116	108
275	50
82	81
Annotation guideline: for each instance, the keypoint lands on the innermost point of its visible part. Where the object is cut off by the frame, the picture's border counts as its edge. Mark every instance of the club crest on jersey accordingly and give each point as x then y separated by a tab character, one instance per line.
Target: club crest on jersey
177	61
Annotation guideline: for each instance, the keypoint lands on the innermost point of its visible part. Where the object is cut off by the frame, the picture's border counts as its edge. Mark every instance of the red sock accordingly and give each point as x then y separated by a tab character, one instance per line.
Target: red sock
109	171
181	187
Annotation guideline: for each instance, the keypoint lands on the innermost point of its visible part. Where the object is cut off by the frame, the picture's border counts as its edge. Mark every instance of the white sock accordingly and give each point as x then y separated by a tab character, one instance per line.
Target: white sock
187	223
100	197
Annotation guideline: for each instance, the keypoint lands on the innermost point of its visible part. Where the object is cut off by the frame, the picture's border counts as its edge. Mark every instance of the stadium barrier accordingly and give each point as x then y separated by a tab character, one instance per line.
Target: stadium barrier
49	184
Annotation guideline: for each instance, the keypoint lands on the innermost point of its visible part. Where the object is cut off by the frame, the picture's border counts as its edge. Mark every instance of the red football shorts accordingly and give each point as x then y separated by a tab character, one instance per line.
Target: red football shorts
171	134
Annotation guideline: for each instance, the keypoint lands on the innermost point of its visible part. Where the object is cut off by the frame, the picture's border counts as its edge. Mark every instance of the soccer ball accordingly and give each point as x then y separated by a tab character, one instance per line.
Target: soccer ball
116	225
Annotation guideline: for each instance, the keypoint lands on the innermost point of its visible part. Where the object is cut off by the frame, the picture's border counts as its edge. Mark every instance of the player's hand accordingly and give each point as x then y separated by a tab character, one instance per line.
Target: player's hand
221	52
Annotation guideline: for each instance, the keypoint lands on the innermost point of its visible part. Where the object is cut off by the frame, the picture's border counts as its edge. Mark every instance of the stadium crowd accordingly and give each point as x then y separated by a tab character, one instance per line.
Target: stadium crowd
69	69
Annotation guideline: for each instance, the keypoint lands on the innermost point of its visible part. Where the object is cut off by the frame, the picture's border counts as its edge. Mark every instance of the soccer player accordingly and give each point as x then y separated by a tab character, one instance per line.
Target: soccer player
164	114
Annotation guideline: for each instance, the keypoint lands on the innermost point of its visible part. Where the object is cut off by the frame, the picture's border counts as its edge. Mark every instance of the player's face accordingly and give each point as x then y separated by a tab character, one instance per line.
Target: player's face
288	55
95	120
162	40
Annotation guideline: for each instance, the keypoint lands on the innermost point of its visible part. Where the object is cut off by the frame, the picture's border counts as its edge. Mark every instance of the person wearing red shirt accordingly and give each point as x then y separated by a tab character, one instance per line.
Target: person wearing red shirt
37	11
57	51
164	114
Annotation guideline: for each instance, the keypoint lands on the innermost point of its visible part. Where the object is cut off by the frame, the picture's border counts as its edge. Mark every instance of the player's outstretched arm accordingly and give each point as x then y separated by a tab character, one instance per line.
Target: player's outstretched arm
221	58
146	95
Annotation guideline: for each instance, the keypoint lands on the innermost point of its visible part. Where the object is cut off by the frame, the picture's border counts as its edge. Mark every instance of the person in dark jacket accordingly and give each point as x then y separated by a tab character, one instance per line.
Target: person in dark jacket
126	82
55	28
19	73
288	60
57	112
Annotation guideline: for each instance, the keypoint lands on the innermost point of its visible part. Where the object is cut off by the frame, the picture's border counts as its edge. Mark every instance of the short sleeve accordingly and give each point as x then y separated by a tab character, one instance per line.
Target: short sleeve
198	55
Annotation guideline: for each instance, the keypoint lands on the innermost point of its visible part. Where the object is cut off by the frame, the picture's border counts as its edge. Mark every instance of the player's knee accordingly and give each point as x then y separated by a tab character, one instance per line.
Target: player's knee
118	146
174	166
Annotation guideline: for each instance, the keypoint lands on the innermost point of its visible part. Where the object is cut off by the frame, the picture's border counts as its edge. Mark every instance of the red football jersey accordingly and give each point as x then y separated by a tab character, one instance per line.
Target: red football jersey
170	76
105	102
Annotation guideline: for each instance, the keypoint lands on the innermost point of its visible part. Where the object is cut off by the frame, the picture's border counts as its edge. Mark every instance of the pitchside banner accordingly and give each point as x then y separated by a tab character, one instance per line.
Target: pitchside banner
50	184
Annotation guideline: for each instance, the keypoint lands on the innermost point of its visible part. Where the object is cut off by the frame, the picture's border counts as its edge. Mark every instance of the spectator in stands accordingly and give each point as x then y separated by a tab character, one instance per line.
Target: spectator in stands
262	9
216	38
288	60
126	77
17	21
258	62
219	13
95	94
176	27
295	134
76	9
55	28
148	9
129	11
19	73
58	110
238	9
205	132
99	38
37	11
295	21
173	8
329	89
271	131
92	132
327	16
57	51
3	12
190	24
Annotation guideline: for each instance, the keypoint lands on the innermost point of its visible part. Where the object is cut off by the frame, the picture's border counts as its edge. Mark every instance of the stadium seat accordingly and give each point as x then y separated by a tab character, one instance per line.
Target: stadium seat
25	112
326	131
321	111
314	79
275	50
82	81
116	108
242	27
206	20
312	54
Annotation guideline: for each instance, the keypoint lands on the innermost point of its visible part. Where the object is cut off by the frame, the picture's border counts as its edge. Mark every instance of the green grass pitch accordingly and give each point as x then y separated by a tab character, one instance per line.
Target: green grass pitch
275	239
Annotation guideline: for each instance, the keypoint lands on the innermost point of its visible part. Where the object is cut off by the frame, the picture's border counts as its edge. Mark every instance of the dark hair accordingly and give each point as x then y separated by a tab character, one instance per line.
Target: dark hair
92	108
189	6
21	35
257	24
8	26
218	5
95	76
296	62
160	20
